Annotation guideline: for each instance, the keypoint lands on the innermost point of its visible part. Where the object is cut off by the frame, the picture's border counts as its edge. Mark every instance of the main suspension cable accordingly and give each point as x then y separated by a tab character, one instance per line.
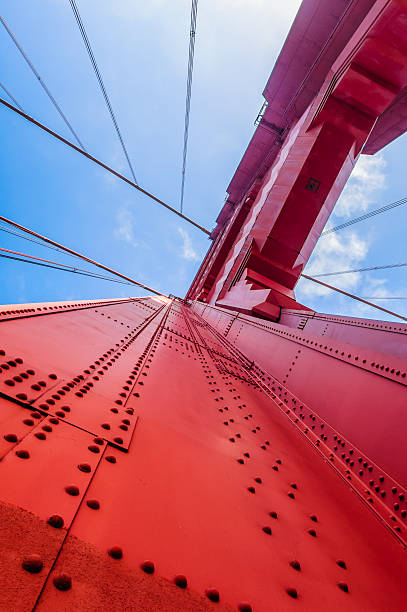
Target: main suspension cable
100	81
368	215
192	30
102	165
45	88
355	297
80	255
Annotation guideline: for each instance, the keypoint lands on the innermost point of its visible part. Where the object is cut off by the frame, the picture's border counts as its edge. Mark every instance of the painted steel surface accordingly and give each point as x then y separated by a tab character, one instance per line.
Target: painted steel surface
226	495
353	397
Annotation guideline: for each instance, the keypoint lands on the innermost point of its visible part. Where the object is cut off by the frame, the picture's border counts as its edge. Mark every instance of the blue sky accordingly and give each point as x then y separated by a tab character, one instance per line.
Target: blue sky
141	49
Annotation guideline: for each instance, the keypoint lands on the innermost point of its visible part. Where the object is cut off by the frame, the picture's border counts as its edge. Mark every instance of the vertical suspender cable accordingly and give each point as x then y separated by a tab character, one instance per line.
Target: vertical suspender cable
194	10
100	81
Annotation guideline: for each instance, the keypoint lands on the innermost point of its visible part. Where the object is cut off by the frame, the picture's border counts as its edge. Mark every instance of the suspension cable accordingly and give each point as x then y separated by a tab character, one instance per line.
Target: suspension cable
45	88
368	215
102	165
80	255
355	297
100	81
192	29
386	267
4	88
13	233
57	266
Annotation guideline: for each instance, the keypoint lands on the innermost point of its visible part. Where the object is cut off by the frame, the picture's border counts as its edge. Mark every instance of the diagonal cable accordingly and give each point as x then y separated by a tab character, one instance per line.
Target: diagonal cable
80	255
46	263
194	10
386	267
354	297
367	215
45	88
11	96
70	144
100	81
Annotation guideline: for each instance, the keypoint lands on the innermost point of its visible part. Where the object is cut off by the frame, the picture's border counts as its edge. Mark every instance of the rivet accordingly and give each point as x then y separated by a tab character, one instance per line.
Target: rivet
94	449
10	437
267	530
23	454
54	421
295	565
21	396
93	503
62	582
312	532
105	425
56	521
32	564
115	552
273	514
244	607
72	490
259	480
40	435
181	581
341	563
110	459
147	567
314	518
118	440
292	593
84	467
290	494
343	586
212	594
29	422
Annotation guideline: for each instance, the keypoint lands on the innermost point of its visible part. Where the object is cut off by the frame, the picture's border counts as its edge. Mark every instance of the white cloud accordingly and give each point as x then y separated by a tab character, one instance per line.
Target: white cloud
347	250
333	254
188	251
367	179
125	231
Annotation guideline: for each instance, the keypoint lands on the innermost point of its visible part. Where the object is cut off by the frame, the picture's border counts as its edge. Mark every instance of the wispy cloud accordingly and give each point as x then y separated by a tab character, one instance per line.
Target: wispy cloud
188	252
343	251
335	253
368	177
124	230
